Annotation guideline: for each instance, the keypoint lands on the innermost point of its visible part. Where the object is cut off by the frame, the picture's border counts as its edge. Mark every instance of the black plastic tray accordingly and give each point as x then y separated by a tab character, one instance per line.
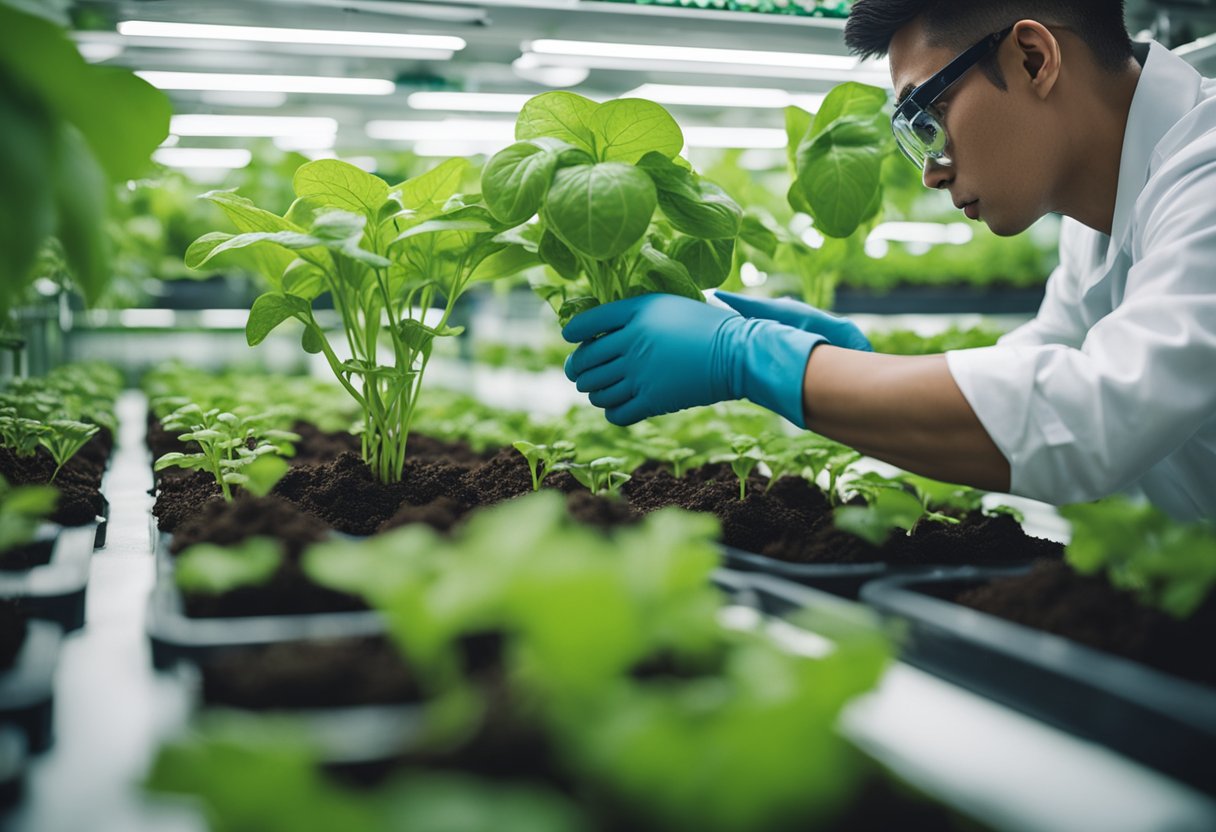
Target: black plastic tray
56	590
103	524
27	688
843	579
13	758
40	548
1160	720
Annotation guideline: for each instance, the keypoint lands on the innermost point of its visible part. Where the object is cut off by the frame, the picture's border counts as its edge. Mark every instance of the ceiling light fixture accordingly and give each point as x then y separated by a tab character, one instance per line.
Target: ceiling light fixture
265	34
729	97
202	157
482	131
198	124
228	82
473	102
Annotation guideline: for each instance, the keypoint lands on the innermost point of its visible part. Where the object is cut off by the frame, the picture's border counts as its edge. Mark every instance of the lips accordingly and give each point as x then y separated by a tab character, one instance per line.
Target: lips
971	209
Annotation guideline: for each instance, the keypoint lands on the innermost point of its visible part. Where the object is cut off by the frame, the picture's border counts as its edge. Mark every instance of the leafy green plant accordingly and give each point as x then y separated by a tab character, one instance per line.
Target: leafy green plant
595	175
542	458
888	508
22	508
907	342
19	434
668	450
70	129
228	444
603	476
385	254
739	735
744	456
206	568
1170	566
837	155
64	438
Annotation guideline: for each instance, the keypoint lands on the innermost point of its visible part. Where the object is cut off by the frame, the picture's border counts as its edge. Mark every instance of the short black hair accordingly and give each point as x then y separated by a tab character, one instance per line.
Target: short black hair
960	23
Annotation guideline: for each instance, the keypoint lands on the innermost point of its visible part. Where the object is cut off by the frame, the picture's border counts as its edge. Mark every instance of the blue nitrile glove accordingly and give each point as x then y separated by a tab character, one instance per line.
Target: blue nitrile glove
840	332
661	353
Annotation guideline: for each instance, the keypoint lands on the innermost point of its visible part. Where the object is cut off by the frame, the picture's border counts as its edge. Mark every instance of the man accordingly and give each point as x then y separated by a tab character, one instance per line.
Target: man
1018	108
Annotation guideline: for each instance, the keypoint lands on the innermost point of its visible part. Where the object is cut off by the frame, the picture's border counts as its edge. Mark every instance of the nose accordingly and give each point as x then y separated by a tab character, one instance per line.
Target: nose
936	176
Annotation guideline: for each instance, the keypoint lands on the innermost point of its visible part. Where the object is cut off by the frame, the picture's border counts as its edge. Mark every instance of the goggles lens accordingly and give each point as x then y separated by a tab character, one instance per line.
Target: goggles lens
920	136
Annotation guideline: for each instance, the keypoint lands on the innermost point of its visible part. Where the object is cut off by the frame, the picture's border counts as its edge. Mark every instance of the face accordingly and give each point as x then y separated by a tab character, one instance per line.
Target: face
1001	156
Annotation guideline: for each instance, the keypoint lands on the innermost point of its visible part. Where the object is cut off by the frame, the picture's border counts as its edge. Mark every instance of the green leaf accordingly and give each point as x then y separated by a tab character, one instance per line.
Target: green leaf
839	174
663	274
600	210
692	205
207	569
797	126
263	474
303	279
27	212
847	100
341	185
82	193
891	509
559	115
270	310
754	231
122	117
313	340
629	128
433	188
342	232
515	181
709	262
575	306
555	254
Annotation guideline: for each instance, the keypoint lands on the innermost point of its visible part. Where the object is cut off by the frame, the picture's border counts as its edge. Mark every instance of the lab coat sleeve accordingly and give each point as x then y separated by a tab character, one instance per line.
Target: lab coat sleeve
1077	424
1058	320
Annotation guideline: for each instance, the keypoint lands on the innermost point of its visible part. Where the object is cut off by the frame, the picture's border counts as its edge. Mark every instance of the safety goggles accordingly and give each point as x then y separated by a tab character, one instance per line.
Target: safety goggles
918	131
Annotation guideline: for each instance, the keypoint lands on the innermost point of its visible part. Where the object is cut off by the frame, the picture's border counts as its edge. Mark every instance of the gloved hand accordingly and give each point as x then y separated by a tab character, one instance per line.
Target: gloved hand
840	332
657	354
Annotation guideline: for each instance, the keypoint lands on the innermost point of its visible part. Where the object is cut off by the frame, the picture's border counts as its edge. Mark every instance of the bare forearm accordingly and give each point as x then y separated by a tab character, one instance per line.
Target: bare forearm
905	410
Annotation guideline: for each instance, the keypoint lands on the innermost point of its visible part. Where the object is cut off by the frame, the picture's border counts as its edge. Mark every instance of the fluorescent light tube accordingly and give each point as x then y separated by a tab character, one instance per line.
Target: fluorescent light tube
690	54
264	34
487	132
229	82
735	137
198	124
741	97
202	157
474	102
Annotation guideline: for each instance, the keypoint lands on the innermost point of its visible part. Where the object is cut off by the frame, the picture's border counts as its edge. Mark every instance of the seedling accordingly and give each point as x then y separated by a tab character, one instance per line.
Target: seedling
20	435
214	570
602	477
889	508
1168	565
64	438
542	458
225	441
385	255
745	455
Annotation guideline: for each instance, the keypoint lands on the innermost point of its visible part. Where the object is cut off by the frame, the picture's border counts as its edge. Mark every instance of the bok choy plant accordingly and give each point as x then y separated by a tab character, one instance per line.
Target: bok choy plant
618	212
385	254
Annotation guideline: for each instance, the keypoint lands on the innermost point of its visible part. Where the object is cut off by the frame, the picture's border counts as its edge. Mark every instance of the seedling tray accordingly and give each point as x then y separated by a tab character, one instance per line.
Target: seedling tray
56	590
27	688
1160	720
12	765
843	579
38	551
103	524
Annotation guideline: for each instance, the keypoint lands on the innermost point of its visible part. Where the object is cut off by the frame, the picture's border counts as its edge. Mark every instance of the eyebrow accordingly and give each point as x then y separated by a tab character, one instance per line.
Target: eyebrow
904	93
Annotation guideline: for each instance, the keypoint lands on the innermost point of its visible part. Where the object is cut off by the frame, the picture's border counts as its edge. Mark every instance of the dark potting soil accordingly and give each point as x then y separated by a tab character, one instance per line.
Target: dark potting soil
289	591
1087	609
12	633
79	483
331	673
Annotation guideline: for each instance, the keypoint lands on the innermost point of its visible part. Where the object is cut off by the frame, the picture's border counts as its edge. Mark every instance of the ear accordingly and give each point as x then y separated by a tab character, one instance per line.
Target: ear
1038	56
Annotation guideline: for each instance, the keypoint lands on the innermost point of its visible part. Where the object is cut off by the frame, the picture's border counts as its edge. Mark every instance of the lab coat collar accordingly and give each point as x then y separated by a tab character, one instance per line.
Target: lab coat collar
1167	90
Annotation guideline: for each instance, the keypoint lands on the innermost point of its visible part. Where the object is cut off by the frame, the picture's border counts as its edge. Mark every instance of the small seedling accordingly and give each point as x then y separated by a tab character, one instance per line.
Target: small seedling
745	455
214	570
542	458
64	438
20	435
22	508
602	477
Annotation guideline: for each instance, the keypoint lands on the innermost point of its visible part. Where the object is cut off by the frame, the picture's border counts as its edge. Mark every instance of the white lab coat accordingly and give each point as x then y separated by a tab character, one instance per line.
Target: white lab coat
1113	385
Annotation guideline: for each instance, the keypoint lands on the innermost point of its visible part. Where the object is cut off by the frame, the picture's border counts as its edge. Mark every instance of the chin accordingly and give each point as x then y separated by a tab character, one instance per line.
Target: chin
1006	226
